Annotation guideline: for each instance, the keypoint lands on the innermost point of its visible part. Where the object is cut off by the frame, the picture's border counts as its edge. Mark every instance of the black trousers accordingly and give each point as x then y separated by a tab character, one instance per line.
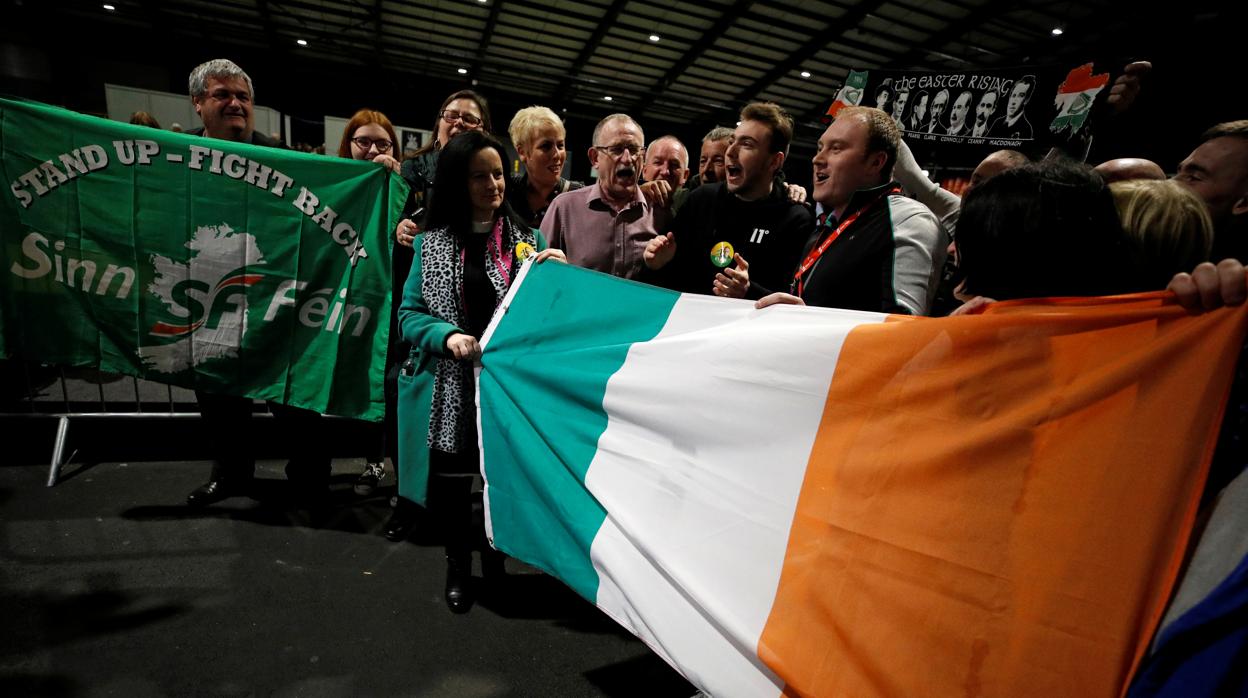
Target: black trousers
228	418
384	436
450	499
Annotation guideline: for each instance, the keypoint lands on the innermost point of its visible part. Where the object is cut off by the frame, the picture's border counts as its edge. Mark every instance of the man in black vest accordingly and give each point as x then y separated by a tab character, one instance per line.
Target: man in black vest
876	250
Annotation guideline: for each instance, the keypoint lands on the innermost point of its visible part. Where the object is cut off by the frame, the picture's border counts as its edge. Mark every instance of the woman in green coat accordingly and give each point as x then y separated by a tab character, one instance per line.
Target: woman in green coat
460	112
462	267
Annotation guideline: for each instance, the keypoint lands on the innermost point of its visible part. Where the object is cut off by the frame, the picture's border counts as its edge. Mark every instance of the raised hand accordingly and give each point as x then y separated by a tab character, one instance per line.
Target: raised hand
659	251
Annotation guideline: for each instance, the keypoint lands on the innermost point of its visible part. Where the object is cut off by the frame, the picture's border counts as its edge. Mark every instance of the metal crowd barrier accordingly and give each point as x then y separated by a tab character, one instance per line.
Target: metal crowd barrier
53	392
35	391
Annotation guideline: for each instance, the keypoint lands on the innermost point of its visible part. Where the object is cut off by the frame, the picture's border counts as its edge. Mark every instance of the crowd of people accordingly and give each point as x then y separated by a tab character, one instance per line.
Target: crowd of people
875	235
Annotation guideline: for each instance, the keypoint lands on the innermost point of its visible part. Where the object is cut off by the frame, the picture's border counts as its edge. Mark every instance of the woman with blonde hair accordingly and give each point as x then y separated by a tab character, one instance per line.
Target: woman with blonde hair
1167	228
539	138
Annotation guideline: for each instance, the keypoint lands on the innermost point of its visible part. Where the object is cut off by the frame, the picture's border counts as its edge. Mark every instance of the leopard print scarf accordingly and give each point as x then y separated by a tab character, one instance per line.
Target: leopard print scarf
442	284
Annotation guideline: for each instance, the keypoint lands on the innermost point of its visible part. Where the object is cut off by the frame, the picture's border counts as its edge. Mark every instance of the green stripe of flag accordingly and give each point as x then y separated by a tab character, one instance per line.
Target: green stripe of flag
554	352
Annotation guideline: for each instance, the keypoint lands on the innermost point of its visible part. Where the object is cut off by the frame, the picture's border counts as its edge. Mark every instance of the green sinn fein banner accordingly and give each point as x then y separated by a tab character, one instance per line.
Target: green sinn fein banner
209	264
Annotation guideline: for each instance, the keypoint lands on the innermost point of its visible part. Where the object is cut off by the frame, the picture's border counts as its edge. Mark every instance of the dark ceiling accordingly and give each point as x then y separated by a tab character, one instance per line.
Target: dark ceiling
710	57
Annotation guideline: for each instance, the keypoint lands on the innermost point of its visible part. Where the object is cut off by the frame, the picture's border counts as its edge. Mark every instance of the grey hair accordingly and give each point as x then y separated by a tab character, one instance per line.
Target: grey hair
719	133
217	68
617	117
684	152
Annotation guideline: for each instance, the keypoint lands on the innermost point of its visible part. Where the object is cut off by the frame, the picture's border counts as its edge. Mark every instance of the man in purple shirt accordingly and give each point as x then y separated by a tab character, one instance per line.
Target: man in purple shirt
607	226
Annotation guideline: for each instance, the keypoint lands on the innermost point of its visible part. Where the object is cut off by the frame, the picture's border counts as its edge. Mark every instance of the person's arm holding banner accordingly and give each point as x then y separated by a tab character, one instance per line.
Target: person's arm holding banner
909	173
1122	94
388	162
544	250
439	337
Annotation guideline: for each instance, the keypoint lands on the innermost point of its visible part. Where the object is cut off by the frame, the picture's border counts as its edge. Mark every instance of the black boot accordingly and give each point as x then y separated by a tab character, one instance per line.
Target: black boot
458	583
401	522
227	480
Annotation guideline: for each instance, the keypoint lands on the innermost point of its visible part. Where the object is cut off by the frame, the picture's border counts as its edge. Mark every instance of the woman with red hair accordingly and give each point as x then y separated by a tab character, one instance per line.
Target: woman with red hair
369	135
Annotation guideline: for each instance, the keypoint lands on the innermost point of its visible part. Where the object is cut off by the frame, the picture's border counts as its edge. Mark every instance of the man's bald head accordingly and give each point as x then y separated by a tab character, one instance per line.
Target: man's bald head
666	159
995	164
1125	169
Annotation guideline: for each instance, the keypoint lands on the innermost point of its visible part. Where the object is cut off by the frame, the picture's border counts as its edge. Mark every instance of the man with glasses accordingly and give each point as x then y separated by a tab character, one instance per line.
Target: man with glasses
607	226
222	95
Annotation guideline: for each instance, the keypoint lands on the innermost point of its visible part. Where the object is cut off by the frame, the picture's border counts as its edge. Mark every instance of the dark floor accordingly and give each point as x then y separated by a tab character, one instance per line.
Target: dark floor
110	586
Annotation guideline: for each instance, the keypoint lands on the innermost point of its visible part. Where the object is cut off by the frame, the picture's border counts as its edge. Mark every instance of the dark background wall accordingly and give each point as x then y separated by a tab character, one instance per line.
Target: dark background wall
68	66
1198	80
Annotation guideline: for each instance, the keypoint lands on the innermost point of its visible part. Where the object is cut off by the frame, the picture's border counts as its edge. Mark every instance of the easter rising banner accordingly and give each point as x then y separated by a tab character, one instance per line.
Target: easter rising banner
193	261
963	116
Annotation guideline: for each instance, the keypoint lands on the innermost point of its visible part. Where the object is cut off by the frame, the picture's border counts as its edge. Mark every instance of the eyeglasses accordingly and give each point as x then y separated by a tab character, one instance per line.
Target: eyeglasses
617	151
450	116
383	146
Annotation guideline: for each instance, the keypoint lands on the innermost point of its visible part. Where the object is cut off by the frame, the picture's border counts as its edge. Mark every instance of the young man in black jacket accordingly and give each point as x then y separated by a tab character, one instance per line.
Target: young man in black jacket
742	236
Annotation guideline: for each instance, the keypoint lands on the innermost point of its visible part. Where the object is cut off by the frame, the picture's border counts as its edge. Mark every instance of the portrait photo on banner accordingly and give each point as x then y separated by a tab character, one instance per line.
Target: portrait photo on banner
962	116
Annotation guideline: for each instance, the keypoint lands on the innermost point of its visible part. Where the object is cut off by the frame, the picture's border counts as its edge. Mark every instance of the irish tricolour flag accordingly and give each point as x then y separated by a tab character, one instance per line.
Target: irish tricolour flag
821	502
1075	97
850	94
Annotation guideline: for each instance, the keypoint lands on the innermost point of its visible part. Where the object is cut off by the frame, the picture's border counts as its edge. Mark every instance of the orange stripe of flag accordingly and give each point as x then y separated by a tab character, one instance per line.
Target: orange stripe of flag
1081	79
998	505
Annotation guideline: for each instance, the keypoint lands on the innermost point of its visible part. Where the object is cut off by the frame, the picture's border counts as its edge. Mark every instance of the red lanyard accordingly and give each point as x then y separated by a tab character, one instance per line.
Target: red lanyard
813	257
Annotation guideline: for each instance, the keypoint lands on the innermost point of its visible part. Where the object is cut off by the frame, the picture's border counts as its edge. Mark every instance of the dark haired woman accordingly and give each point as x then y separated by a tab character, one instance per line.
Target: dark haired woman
461	112
463	264
1043	229
464	111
